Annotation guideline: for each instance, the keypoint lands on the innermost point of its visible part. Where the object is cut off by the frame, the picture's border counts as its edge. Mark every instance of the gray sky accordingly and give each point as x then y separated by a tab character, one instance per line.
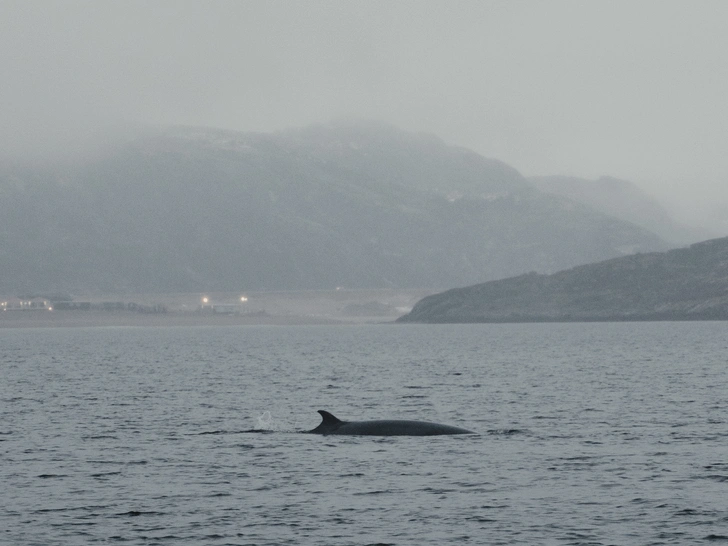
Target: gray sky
635	89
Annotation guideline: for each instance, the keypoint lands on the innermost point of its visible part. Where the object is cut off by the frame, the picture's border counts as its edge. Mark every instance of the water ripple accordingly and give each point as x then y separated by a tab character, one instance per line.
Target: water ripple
604	434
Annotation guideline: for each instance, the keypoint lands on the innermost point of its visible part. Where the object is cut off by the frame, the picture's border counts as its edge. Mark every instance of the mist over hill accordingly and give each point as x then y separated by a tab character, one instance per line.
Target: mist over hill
624	200
358	205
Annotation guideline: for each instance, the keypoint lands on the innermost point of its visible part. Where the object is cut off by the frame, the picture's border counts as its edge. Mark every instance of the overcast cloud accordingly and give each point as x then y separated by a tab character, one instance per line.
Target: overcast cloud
635	89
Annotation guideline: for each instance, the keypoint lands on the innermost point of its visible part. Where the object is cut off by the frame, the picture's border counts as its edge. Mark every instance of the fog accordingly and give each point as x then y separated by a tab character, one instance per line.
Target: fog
632	89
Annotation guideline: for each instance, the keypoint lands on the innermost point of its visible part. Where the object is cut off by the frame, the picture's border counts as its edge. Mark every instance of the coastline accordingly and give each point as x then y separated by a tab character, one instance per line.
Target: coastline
263	308
100	319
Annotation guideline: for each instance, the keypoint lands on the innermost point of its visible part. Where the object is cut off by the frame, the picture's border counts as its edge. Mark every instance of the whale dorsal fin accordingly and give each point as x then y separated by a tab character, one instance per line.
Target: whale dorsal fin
328	419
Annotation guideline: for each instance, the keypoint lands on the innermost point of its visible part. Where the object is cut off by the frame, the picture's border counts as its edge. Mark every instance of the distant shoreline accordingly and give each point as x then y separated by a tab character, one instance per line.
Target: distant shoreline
124	319
222	309
90	319
568	320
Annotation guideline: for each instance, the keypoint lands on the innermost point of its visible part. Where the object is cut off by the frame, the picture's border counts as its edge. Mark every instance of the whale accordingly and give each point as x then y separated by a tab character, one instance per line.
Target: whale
332	425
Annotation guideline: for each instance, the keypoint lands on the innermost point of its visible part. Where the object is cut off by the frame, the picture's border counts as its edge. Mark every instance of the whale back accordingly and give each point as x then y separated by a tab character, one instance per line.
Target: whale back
332	425
397	428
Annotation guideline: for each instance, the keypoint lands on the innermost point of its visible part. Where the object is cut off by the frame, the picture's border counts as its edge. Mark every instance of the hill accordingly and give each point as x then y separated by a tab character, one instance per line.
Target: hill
624	200
682	284
358	205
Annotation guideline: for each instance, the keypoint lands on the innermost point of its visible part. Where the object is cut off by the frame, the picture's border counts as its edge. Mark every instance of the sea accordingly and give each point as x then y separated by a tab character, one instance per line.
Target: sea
587	434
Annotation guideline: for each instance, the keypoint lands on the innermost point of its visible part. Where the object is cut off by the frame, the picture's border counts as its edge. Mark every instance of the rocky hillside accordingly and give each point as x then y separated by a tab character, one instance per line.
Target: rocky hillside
683	284
351	205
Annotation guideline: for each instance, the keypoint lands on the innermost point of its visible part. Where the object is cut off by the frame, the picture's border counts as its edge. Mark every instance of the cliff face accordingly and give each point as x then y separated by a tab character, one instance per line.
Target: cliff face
683	284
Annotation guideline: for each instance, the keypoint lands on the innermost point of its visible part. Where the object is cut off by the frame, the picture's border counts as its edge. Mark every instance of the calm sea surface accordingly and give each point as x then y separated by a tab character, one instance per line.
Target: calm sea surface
589	434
